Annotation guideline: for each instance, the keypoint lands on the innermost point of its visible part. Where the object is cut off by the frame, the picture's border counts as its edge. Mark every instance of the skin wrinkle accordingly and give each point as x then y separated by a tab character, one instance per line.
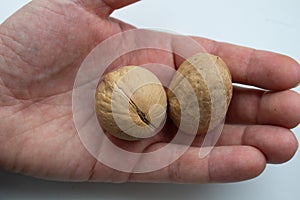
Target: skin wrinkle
13	50
252	110
14	166
24	132
54	73
12	114
259	108
25	169
47	80
28	106
174	56
92	170
246	132
46	8
73	173
249	61
213	47
209	178
62	148
44	99
100	8
16	157
146	149
35	128
18	99
173	171
57	72
6	99
62	14
105	2
31	102
30	64
2	43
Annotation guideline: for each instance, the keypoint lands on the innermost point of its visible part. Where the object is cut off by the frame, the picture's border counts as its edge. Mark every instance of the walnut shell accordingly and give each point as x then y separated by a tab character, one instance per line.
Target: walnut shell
130	103
210	80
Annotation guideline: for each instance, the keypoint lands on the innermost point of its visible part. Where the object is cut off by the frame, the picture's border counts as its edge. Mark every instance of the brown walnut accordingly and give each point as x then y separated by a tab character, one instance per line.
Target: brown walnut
210	80
130	103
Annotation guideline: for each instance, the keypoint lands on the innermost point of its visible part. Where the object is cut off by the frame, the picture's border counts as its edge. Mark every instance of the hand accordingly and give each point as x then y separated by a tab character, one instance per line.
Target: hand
41	49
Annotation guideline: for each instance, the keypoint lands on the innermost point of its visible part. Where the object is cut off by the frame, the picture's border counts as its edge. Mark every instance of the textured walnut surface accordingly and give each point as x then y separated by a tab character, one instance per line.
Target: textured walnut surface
210	80
130	103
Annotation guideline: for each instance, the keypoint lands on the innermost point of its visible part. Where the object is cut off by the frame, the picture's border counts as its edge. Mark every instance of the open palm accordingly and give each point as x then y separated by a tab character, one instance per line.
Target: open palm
41	49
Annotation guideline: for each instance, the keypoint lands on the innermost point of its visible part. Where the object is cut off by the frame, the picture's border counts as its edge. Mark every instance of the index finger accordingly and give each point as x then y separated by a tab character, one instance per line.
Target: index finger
258	68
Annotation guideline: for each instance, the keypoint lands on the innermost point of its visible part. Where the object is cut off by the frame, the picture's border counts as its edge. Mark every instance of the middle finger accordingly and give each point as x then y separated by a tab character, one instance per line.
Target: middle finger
249	106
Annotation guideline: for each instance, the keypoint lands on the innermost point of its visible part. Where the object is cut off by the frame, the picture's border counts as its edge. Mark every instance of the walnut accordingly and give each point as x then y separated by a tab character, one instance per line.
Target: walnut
131	103
210	80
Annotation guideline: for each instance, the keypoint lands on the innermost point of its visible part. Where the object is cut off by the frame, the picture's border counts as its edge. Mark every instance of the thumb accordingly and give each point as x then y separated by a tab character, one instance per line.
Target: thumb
103	8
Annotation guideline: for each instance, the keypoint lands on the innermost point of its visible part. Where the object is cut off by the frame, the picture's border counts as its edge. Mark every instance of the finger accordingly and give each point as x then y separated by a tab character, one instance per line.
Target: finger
250	106
103	8
278	144
254	67
224	164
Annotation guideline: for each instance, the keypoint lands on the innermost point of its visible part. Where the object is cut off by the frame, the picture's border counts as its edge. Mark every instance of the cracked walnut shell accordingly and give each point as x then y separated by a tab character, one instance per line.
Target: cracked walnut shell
131	103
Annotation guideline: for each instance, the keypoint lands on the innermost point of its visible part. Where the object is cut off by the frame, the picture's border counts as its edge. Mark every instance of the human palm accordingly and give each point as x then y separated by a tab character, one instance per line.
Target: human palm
41	49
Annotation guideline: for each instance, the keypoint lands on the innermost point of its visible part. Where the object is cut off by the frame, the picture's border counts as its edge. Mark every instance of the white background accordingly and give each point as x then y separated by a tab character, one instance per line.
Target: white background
263	24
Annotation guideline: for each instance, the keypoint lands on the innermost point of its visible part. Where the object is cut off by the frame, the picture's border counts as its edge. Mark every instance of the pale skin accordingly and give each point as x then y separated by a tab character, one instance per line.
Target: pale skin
41	48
